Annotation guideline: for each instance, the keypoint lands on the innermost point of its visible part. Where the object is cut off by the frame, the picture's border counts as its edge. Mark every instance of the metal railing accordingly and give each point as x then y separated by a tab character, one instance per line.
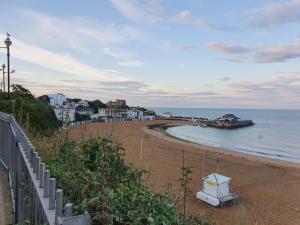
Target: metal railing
34	194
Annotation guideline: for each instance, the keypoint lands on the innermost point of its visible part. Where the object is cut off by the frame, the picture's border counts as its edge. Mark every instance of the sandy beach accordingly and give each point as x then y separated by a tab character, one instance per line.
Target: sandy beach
269	189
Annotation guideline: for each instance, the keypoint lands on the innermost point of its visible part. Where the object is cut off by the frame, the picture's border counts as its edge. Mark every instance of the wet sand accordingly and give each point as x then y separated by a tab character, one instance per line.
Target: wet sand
269	189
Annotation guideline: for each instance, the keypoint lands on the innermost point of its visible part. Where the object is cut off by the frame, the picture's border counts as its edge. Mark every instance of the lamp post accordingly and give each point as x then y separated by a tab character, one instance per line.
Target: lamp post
3	72
8	43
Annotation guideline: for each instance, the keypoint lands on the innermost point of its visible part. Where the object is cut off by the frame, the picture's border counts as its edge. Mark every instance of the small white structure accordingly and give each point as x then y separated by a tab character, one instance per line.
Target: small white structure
216	190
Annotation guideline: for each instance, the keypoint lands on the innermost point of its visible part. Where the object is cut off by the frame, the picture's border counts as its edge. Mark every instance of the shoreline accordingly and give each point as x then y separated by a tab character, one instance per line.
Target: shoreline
163	127
269	189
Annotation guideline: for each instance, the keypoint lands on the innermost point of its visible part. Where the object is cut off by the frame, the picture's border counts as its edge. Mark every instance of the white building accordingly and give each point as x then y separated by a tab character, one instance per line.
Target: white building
83	103
57	100
65	114
132	114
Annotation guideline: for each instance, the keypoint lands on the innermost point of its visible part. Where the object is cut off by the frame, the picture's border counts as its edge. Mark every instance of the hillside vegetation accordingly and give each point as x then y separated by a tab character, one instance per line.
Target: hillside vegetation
31	113
96	179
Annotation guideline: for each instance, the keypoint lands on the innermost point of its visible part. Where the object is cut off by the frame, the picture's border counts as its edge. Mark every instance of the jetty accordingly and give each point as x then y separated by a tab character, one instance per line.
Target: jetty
228	121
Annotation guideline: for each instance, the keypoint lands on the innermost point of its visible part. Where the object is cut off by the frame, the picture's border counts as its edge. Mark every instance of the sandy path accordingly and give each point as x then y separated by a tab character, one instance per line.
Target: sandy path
269	189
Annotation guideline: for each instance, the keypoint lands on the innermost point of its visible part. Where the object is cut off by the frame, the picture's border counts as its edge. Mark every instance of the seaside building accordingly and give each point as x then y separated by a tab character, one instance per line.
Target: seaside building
119	103
228	119
57	100
65	114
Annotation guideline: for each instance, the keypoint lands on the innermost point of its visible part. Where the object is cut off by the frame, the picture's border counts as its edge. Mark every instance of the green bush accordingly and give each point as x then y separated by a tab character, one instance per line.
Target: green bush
34	115
96	179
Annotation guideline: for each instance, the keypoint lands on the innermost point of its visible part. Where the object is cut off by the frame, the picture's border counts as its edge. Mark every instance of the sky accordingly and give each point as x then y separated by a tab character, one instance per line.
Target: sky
158	53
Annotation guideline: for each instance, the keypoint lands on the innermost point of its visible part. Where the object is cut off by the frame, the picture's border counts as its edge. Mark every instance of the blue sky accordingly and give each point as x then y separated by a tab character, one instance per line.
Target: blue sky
172	53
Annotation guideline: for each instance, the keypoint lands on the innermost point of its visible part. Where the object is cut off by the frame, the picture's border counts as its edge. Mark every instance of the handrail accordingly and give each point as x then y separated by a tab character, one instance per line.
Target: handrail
34	192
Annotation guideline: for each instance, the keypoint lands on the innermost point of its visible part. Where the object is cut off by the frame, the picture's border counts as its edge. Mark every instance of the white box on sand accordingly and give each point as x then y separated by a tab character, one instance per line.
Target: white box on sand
215	190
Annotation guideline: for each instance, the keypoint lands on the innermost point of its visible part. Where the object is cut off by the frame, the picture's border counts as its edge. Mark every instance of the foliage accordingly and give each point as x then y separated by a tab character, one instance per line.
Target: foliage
44	98
34	115
21	92
95	105
96	179
79	117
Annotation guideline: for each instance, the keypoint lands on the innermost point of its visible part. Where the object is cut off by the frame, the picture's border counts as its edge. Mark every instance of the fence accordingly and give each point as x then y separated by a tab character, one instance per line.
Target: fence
34	194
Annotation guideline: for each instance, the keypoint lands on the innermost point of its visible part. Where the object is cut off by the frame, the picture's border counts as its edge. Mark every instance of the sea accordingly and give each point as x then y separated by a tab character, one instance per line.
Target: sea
275	135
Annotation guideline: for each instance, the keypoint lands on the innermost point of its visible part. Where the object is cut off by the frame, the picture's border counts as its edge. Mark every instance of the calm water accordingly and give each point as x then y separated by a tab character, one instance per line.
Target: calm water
276	133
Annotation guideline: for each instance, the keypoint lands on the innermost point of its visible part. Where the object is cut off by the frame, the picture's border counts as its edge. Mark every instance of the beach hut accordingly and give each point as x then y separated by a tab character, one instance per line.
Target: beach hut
216	190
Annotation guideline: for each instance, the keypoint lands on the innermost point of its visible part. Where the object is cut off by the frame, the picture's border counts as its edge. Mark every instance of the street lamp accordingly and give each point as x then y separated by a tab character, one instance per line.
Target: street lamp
8	43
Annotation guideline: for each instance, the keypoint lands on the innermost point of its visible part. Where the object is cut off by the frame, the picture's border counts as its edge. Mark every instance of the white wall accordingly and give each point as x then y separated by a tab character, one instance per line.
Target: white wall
57	100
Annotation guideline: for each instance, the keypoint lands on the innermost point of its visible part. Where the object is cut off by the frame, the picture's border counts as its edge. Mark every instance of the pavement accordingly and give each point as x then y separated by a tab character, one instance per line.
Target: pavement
6	210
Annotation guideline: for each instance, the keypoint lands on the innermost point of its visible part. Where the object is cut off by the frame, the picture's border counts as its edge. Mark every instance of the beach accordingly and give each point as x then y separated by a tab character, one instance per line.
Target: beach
269	189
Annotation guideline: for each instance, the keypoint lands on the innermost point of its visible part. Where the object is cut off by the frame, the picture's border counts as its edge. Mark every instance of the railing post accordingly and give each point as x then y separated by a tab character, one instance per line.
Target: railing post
46	183
34	155
42	170
59	203
52	193
37	167
68	210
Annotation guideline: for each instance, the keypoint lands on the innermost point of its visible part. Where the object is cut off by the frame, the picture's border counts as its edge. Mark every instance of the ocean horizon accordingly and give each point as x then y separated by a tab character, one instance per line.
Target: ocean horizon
275	134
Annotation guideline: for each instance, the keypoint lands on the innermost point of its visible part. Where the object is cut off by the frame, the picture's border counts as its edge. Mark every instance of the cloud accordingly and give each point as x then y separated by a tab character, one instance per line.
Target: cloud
136	11
118	54
127	58
57	61
287	85
74	32
199	94
186	17
228	48
258	54
279	53
276	14
132	63
181	17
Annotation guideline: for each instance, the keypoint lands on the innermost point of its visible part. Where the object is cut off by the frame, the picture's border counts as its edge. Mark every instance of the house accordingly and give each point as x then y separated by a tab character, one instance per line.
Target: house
132	114
64	114
119	103
57	100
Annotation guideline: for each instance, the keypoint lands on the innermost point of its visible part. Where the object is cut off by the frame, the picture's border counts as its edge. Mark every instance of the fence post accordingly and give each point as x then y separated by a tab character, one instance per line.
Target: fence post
52	193
46	183
34	155
68	210
42	170
37	167
59	203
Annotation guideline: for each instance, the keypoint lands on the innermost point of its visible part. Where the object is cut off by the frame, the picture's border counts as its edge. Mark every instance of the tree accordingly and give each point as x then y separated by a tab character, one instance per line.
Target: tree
79	117
44	98
95	105
20	91
32	114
